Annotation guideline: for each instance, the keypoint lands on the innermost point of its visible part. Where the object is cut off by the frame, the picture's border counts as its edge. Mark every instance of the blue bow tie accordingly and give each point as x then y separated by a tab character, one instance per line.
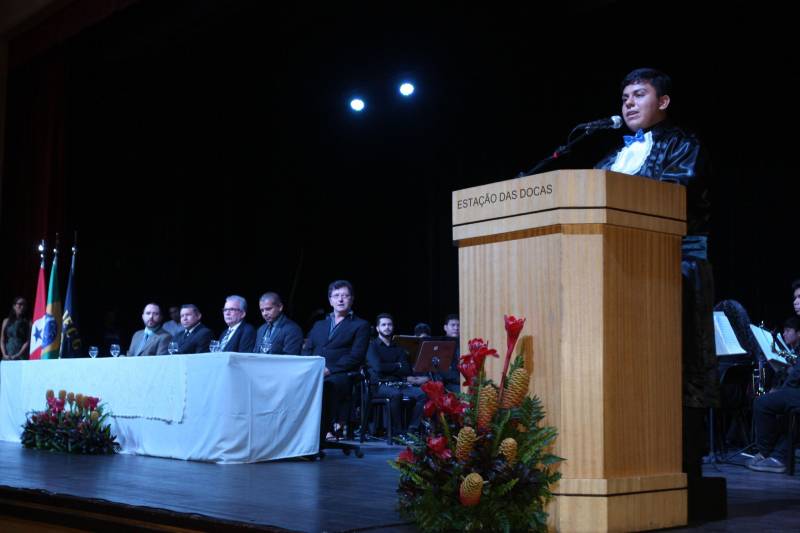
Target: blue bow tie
630	139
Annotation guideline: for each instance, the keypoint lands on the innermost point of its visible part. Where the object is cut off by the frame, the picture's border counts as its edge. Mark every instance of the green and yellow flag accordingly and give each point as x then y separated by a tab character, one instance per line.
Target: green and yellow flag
52	328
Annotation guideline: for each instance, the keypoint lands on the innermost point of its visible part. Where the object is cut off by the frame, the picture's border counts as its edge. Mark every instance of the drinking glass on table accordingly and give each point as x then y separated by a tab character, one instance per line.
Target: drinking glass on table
213	346
172	348
93	351
114	350
266	346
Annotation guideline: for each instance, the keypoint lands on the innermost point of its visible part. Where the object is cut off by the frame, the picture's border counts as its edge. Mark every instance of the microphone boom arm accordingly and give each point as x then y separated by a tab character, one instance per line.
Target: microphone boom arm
557	153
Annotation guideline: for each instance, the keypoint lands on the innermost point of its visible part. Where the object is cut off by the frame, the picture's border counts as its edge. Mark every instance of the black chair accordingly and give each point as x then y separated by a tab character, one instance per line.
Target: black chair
794	439
356	396
369	404
373	405
734	416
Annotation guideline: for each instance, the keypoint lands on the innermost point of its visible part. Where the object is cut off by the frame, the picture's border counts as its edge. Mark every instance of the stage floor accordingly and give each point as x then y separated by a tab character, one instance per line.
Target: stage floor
340	493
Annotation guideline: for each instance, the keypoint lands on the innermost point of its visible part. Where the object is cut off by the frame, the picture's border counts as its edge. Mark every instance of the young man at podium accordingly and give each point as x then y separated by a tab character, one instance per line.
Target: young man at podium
660	150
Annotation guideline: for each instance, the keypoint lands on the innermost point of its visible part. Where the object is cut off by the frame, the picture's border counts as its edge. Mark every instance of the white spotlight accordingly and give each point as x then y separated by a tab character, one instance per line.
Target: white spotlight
406	89
357	104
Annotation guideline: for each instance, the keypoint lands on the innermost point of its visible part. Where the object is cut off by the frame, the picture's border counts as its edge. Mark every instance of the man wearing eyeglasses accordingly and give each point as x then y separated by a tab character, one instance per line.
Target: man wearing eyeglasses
342	339
240	336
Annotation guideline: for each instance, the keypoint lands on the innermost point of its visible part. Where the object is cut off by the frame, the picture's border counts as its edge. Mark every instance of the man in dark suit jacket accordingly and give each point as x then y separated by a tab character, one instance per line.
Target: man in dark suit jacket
342	339
240	336
279	334
153	339
195	337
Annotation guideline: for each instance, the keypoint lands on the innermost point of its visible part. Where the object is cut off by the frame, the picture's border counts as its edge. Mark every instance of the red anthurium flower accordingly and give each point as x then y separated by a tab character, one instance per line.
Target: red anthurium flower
430	409
438	445
406	456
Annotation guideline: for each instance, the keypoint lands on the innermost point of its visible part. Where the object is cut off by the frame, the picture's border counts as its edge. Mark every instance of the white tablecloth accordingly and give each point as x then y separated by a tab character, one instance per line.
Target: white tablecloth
221	407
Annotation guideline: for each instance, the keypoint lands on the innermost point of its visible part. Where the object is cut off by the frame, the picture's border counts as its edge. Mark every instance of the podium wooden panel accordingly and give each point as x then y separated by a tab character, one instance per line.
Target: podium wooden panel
592	260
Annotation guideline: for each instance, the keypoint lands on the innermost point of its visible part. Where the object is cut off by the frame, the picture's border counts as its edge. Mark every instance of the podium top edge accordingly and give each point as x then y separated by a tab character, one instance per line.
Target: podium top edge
569	189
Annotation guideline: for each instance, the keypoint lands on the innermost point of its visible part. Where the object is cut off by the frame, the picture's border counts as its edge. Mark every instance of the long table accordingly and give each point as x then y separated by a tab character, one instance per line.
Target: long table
220	407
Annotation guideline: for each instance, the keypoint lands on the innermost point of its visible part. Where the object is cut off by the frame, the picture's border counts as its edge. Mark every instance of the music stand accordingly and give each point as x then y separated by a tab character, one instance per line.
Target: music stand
434	355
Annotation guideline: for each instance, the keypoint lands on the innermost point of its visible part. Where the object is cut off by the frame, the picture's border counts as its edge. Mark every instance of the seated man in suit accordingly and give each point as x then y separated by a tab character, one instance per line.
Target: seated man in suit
452	377
342	339
195	337
390	376
152	340
279	334
240	336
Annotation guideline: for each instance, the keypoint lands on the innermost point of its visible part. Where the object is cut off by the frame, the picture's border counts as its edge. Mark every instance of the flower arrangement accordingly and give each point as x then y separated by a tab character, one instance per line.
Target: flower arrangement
72	423
484	464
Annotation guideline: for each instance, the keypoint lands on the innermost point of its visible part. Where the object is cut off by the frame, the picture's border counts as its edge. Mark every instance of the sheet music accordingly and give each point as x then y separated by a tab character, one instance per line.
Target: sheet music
724	337
764	339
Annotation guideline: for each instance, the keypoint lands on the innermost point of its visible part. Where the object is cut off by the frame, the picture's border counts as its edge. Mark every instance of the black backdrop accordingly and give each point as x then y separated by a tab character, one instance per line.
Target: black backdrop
203	148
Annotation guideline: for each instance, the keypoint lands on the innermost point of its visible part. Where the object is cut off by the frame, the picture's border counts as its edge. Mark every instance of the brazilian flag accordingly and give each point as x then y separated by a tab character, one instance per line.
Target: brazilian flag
51	338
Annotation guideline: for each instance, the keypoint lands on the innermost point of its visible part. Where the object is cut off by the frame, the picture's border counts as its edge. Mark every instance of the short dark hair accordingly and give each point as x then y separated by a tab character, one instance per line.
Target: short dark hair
341	284
422	328
383	315
274	297
792	322
660	81
451	316
192	307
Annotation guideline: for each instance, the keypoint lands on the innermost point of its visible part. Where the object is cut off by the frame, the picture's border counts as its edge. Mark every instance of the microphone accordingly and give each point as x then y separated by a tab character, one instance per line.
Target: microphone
611	123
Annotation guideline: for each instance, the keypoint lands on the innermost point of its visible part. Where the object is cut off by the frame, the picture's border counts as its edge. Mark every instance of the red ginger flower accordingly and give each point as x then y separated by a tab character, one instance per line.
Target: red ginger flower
91	402
477	344
438	445
468	369
56	405
472	363
406	456
513	328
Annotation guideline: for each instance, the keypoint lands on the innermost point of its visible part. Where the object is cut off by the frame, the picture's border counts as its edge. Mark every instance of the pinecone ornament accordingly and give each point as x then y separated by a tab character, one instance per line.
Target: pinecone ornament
516	388
487	405
470	491
465	443
508	449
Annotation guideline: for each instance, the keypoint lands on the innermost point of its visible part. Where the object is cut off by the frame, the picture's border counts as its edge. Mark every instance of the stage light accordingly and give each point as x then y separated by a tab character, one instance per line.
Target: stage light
406	89
357	104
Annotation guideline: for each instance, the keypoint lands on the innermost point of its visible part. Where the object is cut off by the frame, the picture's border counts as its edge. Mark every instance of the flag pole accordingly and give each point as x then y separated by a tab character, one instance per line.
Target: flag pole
68	329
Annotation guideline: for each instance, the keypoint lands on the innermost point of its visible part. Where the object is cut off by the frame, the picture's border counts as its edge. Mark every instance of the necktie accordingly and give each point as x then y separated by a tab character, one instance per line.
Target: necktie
637	138
186	334
267	335
225	339
145	338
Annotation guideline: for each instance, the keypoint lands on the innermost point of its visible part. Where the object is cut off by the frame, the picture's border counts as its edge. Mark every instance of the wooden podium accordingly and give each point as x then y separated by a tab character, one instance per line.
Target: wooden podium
592	259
